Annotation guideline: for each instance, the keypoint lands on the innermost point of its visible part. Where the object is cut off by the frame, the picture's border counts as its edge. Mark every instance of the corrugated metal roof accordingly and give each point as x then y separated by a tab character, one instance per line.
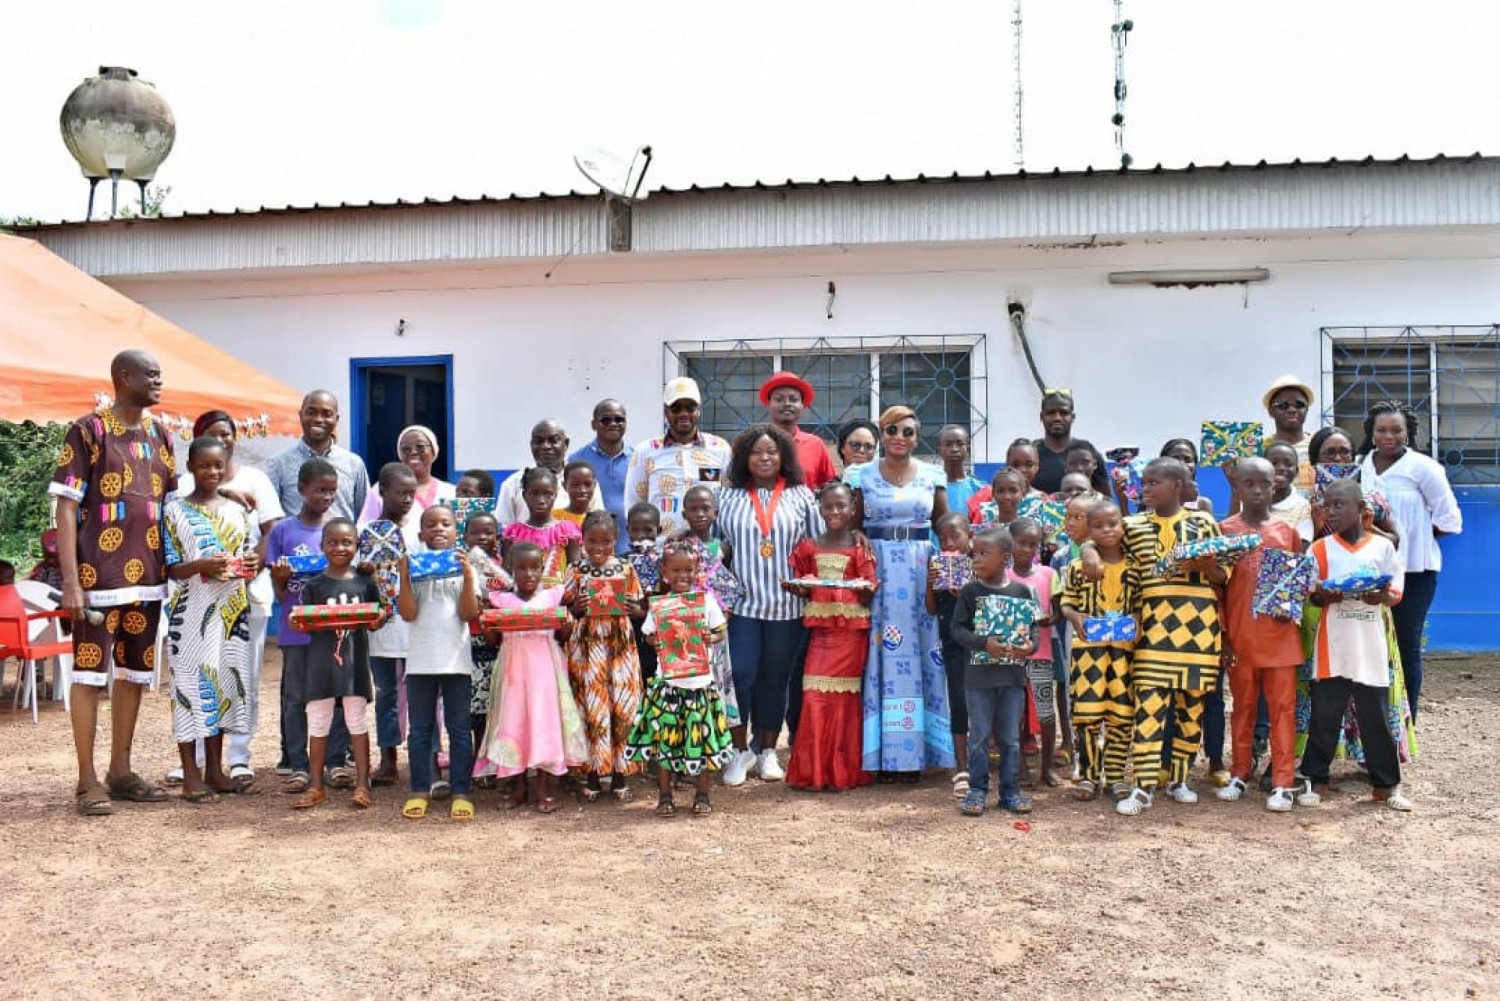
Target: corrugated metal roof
1059	207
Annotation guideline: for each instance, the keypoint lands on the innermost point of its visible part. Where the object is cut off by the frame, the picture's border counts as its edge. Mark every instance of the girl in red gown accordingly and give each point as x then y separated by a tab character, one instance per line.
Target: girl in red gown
826	752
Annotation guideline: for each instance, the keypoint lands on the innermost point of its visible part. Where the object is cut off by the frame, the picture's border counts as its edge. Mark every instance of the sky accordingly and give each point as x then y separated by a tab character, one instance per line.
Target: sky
331	101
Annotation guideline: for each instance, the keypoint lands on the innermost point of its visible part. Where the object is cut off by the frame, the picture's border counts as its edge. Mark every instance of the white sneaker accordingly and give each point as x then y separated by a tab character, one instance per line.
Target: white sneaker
770	768
739	767
1132	805
1397	800
1232	791
1305	795
1280	800
1181	793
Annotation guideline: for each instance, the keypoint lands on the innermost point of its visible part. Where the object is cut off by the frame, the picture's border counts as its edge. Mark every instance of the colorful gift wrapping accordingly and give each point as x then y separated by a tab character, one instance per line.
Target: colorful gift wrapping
852	583
1325	473
1282	584
681	622
1356	584
647	563
954	570
317	618
465	507
726	587
1115	627
309	565
381	543
1006	617
1050	514
1226	441
1127	466
522	620
1225	549
434	565
606	596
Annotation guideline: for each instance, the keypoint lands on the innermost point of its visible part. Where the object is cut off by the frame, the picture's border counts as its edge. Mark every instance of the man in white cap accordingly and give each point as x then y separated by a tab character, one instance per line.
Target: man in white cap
662	469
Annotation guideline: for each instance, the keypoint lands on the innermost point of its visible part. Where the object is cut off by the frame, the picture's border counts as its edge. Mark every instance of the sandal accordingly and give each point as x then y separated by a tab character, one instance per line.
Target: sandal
972	805
547	804
173	778
243	777
92	801
701	806
341	777
362	798
623	794
415	808
298	783
664	805
1085	791
960	784
385	777
589	795
310	799
200	797
440	790
460	809
134	789
1051	780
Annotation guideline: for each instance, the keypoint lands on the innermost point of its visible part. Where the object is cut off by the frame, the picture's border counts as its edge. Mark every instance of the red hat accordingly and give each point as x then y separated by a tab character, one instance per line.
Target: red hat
780	379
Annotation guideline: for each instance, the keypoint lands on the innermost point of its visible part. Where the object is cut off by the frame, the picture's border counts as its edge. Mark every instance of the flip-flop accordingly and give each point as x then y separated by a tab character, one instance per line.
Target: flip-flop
200	797
461	809
701	806
92	801
415	808
131	788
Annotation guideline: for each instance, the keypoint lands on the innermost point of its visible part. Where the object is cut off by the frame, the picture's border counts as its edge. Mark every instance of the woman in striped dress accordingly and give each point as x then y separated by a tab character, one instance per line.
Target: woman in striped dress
764	513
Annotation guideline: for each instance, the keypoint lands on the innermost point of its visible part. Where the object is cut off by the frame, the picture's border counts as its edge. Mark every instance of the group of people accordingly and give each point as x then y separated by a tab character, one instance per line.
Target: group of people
675	605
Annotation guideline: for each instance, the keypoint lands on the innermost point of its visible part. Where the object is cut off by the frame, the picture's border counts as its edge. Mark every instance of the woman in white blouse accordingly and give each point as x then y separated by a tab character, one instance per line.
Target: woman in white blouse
1423	508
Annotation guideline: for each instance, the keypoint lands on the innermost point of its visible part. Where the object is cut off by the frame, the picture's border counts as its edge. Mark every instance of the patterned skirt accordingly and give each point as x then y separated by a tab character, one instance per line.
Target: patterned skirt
685	729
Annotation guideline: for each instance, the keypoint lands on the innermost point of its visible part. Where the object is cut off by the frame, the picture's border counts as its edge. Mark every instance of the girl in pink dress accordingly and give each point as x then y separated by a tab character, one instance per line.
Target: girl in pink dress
560	541
533	721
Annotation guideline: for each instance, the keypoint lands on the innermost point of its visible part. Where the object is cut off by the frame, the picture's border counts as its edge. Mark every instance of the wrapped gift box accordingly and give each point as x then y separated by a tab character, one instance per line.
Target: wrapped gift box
681	628
852	583
1356	584
647	565
381	544
522	620
464	508
491	573
1126	474
309	565
1115	627
1050	514
1282	583
435	565
1006	617
1225	550
726	587
954	570
1226	441
1325	473
318	618
607	597
238	569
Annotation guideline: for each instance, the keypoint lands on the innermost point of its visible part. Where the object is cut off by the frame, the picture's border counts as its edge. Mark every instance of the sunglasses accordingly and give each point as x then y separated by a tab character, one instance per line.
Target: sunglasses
683	407
610	419
412	451
1286	405
1057	391
893	430
860	446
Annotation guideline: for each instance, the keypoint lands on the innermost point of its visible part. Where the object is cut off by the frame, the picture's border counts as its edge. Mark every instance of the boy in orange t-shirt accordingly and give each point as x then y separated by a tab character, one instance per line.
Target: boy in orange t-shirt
1266	650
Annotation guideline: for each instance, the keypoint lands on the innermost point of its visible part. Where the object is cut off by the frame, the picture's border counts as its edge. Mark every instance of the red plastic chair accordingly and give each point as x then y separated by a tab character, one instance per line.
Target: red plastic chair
15	641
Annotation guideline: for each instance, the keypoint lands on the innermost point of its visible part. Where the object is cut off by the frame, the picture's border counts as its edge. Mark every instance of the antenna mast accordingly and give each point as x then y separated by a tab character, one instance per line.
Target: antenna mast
1120	34
1020	134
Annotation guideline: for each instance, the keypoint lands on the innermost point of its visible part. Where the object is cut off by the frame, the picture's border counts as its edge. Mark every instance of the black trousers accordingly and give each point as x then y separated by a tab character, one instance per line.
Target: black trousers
1330	697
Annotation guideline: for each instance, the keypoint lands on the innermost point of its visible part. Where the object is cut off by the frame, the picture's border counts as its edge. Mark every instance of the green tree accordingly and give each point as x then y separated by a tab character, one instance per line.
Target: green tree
28	456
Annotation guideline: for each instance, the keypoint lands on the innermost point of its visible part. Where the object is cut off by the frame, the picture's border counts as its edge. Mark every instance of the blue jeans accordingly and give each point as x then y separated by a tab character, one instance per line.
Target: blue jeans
294	715
386	673
762	653
997	713
422	692
1417	592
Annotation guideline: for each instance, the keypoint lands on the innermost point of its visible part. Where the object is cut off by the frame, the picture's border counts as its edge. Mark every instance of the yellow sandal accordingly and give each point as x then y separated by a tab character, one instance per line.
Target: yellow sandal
461	809
415	808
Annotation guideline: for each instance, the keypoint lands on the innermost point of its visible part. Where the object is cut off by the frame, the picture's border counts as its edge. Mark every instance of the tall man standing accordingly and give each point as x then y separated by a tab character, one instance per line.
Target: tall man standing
662	469
549	447
785	396
1051	449
609	457
319	417
113	477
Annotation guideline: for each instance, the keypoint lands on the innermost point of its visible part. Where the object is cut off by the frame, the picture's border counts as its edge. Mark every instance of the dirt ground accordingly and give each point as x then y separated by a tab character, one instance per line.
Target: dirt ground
884	892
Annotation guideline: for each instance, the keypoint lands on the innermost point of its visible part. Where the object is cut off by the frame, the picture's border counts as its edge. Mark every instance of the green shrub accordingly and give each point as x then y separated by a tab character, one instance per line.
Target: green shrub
28	457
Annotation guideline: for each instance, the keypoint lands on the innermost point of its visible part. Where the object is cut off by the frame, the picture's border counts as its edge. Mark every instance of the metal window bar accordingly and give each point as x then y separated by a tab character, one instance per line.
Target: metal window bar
1449	374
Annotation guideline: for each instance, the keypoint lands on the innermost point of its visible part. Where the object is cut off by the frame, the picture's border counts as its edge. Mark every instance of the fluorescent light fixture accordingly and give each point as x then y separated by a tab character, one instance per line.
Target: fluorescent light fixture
1191	277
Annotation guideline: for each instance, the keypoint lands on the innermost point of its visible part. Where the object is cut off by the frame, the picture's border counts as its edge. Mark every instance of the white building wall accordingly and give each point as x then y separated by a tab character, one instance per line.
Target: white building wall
1145	364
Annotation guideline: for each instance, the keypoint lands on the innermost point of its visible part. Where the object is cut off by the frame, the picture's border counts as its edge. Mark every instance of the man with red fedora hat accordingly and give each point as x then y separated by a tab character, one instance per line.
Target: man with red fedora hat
786	395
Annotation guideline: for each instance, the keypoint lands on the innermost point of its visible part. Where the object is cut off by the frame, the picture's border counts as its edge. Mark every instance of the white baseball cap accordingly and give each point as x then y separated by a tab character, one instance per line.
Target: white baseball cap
681	388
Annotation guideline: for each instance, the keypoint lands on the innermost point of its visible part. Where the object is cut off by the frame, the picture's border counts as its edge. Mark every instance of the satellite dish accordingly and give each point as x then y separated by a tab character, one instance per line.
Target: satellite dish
617	178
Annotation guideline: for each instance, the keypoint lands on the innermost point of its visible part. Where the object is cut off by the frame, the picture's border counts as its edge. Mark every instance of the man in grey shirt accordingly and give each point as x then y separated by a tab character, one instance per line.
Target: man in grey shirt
320	419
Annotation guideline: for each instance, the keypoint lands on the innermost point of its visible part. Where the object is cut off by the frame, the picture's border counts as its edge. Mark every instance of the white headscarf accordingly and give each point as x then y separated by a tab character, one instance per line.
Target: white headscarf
422	430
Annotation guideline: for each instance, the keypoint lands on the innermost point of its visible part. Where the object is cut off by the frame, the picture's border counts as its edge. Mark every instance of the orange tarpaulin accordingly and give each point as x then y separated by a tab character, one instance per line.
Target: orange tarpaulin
59	328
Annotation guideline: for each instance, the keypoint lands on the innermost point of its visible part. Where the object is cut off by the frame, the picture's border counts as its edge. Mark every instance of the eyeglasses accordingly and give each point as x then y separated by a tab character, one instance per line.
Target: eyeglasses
412	451
683	407
1286	405
860	446
1343	452
893	430
610	419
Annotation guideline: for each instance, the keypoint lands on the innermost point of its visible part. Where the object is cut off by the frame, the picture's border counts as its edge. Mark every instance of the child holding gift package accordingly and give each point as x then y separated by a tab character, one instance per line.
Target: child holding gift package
682	724
1176	660
643	522
533	721
603	666
947	573
826	750
558	540
1265	648
1352	658
1102	644
995	676
438	665
1026	545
